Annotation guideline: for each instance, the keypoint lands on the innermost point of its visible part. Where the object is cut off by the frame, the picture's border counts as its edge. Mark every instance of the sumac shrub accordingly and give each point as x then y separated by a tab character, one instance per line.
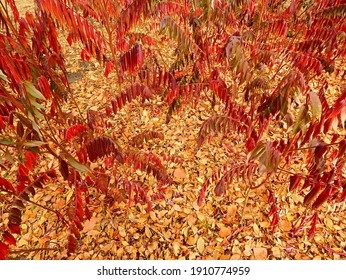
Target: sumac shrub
262	64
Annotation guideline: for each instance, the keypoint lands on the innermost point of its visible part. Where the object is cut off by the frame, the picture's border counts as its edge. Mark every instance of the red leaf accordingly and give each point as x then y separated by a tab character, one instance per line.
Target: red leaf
336	109
108	111
342	148
87	212
72	244
312	229
43	86
109	68
102	146
2	125
294	181
324	195
102	183
275	221
74	131
8	237
15	216
75	231
313	192
93	118
273	210
202	192
8	186
3	251
22	174
85	55
30	159
82	155
63	168
320	151
220	188
114	106
14	228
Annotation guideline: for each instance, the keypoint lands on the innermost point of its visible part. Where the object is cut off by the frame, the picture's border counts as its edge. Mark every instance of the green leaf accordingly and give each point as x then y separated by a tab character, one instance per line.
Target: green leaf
9	157
301	119
30	144
4	141
34	103
74	163
30	88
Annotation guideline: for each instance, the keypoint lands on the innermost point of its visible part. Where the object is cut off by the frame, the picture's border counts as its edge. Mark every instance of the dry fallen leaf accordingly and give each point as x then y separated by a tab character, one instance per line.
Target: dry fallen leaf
276	252
176	248
122	231
148	232
90	224
224	231
191	240
231	210
285	225
93	232
260	253
200	245
179	173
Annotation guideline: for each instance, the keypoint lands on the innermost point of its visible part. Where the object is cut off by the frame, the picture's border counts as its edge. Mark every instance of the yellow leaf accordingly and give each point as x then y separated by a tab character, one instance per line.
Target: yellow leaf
276	252
200	216
121	231
191	220
176	248
148	232
256	229
93	232
176	207
69	195
200	245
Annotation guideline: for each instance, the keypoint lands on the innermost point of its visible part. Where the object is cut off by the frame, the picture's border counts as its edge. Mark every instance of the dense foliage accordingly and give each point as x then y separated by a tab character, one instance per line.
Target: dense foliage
260	63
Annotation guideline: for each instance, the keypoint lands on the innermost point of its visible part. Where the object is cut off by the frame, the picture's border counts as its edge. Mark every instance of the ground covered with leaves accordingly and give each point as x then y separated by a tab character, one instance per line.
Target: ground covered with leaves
227	227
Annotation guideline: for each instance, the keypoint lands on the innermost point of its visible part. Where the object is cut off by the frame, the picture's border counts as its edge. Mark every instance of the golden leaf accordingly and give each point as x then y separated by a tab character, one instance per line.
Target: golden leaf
176	248
276	252
148	232
176	207
191	240
93	232
200	245
121	231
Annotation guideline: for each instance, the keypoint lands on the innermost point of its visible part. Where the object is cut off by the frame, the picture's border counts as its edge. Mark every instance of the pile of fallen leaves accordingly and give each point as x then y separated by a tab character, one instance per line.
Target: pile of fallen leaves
227	227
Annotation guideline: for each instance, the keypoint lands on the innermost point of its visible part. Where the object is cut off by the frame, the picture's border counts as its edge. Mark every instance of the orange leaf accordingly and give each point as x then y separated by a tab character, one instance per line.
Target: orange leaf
231	210
90	224
179	173
260	253
286	225
224	232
